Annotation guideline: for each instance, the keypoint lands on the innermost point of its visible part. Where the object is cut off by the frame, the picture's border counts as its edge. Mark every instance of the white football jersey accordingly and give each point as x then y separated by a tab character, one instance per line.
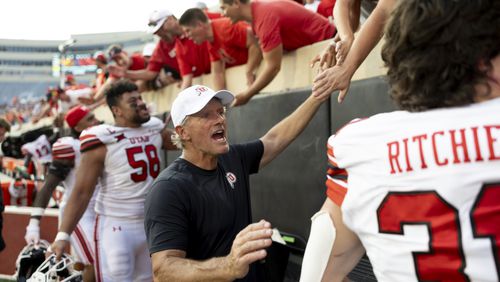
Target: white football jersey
422	191
39	149
132	163
68	148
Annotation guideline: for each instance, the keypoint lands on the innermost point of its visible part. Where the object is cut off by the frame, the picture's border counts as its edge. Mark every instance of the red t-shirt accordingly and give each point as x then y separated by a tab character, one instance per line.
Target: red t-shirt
163	55
229	43
286	22
325	8
213	15
192	58
138	62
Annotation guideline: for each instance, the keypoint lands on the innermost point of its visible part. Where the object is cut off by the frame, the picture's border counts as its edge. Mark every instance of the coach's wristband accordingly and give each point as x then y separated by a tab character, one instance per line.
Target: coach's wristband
62	236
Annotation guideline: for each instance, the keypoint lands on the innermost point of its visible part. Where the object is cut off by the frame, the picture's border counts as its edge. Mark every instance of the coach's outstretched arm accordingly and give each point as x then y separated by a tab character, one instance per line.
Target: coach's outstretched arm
283	133
91	167
248	247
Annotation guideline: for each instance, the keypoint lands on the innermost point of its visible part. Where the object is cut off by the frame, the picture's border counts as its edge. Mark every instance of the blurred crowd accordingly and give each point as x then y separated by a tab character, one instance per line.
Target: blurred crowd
255	34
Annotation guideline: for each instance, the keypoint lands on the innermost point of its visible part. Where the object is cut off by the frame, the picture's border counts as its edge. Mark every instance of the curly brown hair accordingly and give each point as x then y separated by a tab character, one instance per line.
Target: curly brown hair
437	51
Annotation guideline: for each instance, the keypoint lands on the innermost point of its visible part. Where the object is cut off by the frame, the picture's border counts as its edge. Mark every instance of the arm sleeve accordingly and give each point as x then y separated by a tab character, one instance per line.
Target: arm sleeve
61	151
88	142
155	62
166	217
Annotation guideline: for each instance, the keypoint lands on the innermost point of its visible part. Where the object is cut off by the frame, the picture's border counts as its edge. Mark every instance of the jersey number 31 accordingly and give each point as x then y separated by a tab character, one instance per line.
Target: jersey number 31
445	260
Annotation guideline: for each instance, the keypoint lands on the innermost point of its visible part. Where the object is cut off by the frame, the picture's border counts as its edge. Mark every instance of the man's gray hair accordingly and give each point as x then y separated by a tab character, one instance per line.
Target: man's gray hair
176	138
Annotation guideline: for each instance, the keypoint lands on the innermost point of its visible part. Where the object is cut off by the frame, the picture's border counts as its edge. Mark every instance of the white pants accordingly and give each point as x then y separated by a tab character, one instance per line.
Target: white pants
82	238
121	250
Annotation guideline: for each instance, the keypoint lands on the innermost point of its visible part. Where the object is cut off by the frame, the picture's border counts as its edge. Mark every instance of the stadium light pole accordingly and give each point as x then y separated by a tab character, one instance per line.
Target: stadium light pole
63	47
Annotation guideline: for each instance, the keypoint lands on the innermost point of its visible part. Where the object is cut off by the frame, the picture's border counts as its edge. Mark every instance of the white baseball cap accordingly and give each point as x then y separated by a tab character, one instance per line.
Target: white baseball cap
156	19
191	100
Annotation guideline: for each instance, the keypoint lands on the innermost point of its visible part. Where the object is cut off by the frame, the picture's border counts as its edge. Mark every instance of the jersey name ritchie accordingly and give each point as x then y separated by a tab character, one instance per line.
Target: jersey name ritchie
444	147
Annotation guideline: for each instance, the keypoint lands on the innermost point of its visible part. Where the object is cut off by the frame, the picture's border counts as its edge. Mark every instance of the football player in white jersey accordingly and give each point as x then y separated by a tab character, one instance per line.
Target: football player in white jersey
66	159
125	159
419	189
39	152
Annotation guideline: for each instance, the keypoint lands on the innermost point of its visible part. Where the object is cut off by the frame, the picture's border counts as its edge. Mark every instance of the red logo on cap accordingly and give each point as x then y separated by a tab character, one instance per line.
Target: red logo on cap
200	90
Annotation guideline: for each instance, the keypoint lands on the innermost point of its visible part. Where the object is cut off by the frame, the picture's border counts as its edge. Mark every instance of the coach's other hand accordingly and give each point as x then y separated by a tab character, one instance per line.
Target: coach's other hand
248	247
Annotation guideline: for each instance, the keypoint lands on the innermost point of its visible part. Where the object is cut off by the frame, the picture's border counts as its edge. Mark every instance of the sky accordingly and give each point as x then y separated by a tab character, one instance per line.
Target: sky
59	19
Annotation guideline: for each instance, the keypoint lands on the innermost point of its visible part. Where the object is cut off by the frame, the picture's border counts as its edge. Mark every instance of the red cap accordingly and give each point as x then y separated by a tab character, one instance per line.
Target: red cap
70	77
75	115
99	56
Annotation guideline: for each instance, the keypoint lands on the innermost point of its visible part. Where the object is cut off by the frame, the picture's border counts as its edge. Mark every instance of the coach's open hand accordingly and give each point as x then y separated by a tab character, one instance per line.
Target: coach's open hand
248	247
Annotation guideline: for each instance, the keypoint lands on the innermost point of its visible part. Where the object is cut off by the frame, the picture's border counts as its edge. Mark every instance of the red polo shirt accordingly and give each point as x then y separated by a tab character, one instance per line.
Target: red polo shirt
163	55
192	58
229	44
286	22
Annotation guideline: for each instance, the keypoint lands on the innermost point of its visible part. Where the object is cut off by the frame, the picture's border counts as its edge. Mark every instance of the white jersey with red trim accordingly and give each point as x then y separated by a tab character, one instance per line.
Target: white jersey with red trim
68	148
132	163
39	149
422	191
